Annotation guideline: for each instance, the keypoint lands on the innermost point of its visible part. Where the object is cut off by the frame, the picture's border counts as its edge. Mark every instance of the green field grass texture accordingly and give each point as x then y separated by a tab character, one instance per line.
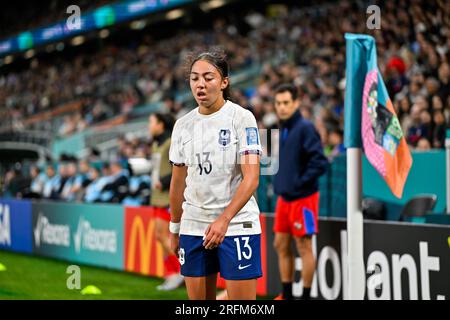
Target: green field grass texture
29	277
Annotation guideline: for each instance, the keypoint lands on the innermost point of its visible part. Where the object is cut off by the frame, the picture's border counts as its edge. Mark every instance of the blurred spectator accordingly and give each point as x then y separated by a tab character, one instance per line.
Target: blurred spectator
395	75
94	155
52	184
439	132
335	145
138	191
95	187
414	132
38	180
117	187
423	145
81	180
67	193
16	183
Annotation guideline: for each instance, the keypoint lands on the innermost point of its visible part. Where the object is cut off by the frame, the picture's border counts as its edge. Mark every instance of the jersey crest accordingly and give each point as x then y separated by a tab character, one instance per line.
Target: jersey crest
224	137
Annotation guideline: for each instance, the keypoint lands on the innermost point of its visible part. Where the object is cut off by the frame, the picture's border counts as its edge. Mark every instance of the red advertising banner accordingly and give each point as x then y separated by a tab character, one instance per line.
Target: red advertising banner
143	253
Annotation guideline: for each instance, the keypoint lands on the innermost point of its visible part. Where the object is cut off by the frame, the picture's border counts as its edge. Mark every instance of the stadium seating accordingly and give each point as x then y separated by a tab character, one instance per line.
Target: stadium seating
417	207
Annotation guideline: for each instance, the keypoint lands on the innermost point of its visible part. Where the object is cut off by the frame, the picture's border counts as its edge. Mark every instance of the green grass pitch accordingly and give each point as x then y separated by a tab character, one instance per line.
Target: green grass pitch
33	278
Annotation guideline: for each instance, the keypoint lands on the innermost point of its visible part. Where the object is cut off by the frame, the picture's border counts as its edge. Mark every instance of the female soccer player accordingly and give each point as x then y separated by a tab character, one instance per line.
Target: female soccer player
215	151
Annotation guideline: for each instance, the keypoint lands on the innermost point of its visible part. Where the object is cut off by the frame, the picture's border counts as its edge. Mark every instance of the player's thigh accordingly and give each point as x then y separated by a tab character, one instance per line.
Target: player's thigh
240	257
195	260
201	288
241	289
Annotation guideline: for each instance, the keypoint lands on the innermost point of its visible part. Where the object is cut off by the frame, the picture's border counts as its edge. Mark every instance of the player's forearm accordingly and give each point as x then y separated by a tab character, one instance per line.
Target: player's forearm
176	194
248	186
176	201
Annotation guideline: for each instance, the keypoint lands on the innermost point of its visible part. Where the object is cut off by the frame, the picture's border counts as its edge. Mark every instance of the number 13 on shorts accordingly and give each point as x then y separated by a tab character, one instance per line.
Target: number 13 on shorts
240	257
246	250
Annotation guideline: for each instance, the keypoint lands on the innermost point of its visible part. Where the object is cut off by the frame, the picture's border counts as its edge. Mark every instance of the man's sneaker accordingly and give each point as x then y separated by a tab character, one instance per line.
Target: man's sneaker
172	282
279	297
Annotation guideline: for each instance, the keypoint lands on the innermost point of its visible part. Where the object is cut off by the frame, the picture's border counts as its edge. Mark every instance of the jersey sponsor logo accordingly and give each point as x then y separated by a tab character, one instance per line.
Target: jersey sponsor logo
252	136
224	137
244	267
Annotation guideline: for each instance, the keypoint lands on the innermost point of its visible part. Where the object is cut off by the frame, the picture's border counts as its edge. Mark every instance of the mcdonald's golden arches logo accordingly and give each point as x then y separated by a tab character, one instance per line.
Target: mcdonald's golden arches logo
143	253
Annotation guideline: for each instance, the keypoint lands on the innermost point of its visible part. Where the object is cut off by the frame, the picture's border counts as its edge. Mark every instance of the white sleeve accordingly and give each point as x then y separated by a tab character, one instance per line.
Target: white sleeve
248	134
176	154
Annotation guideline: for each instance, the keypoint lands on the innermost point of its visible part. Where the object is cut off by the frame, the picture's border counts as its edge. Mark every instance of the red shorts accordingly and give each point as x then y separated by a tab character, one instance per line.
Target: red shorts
298	217
162	213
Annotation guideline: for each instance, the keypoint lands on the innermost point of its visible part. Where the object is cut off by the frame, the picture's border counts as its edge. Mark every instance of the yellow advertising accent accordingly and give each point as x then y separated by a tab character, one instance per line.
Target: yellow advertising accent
146	238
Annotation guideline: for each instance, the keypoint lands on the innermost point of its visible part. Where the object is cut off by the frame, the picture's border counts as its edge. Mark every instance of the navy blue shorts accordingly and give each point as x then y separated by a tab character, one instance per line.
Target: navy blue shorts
236	258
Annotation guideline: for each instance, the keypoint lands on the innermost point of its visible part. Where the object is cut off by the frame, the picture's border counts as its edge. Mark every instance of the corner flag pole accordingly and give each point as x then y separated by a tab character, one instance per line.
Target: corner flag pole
355	65
356	276
367	102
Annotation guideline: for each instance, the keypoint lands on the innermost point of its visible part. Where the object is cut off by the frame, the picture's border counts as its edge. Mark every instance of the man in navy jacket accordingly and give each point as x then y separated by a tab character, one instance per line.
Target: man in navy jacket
301	163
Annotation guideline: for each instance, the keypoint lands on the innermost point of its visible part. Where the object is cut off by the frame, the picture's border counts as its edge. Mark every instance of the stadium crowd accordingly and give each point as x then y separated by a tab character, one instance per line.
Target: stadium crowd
304	46
81	181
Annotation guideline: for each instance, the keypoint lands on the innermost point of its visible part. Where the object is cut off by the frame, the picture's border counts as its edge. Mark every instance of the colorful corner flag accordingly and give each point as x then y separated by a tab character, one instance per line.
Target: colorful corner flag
370	119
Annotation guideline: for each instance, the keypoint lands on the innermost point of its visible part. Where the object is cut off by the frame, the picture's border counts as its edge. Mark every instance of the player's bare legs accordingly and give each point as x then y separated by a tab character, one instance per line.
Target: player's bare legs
162	234
241	289
304	247
283	247
201	288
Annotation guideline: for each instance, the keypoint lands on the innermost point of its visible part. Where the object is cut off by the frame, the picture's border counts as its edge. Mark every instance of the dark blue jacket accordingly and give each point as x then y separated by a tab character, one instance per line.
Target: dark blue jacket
301	159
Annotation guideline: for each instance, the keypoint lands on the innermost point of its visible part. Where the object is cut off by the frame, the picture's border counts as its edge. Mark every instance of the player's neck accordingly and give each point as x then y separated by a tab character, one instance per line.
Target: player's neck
216	106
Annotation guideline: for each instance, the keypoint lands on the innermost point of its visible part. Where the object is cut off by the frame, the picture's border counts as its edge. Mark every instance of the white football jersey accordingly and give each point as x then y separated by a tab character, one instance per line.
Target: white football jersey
210	146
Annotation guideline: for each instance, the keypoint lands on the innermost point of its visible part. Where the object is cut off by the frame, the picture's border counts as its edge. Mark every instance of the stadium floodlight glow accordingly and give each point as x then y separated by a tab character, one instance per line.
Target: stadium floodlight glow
60	46
29	54
8	59
138	24
213	4
76	41
174	14
104	33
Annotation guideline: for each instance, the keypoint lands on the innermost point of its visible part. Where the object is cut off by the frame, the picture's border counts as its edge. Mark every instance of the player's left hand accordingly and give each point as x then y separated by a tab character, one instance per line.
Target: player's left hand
215	233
